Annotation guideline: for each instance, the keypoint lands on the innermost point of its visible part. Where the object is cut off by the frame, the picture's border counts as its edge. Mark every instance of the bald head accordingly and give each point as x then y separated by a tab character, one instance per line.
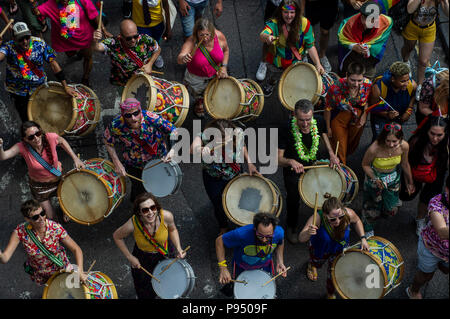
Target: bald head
128	25
128	30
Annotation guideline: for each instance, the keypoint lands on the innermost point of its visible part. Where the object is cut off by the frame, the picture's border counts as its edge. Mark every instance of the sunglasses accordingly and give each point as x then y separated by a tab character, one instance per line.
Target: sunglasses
25	37
146	210
336	218
261	236
129	115
31	137
36	217
390	127
133	37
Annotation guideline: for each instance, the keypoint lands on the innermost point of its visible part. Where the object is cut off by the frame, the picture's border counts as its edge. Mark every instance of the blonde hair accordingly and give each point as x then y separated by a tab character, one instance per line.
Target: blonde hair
441	92
203	24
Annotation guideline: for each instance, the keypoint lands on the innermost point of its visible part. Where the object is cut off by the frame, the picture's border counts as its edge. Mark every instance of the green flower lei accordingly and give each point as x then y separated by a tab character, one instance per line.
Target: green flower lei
300	147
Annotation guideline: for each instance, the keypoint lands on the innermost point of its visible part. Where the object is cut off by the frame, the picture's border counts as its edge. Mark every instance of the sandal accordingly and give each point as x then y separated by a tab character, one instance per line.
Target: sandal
311	272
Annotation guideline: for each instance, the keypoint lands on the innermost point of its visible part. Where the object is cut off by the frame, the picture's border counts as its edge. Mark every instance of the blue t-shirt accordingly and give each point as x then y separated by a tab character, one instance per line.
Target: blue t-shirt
246	254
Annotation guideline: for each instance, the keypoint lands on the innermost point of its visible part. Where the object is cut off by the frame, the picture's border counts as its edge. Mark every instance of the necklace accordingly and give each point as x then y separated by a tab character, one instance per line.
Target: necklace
302	151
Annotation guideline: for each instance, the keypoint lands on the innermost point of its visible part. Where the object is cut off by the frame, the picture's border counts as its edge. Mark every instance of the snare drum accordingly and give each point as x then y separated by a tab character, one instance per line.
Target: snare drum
328	182
176	282
245	195
359	274
89	195
162	179
254	289
61	286
238	99
168	99
299	81
57	112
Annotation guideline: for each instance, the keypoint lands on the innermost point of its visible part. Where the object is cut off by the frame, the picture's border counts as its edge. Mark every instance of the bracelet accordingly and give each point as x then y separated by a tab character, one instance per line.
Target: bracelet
223	263
363	236
224	64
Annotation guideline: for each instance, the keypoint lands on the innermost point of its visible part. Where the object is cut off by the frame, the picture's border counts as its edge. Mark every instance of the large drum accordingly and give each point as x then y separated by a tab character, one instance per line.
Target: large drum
328	182
168	99
253	288
299	81
177	281
61	286
162	179
230	98
57	112
358	274
245	195
89	195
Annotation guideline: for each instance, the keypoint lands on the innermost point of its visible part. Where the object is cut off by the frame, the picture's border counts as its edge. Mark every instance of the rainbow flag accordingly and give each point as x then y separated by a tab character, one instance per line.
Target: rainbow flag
386	5
378	107
351	32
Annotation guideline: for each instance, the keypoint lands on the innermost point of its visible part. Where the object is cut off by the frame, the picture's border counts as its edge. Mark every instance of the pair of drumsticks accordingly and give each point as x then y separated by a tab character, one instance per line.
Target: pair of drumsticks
267	282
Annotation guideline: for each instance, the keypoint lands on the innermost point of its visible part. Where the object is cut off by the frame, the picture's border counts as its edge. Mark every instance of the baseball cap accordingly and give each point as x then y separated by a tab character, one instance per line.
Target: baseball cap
20	29
368	8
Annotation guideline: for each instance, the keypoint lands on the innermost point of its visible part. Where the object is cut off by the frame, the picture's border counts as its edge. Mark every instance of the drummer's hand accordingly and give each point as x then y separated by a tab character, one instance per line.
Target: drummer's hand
281	268
134	262
269	39
79	163
312	230
147	68
379	183
225	276
187	58
98	35
108	34
320	69
365	245
83	277
334	160
169	156
120	169
222	73
70	91
181	254
253	170
296	166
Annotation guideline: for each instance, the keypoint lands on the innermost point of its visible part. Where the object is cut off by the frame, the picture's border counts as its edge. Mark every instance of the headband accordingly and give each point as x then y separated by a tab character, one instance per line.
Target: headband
288	7
129	104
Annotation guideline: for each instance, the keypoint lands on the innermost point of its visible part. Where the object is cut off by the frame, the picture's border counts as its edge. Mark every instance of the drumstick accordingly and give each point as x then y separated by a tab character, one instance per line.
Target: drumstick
140	267
57	92
215	85
196	47
157	163
100	16
90	267
134	177
173	261
157	72
277	276
239	281
335	153
312	166
6	27
315	209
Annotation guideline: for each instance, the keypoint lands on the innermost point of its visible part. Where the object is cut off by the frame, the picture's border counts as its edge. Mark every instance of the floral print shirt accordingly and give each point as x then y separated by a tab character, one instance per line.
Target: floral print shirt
435	244
43	267
122	66
38	53
152	133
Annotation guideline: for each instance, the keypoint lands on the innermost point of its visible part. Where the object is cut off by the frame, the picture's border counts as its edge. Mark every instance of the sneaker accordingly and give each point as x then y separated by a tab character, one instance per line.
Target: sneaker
159	63
267	89
262	70
419	88
292	236
370	234
420	224
325	63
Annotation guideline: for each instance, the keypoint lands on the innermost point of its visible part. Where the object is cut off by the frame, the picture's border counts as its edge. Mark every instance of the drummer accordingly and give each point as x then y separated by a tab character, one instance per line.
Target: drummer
206	55
130	52
25	56
329	236
301	142
39	147
152	227
43	260
143	135
217	174
253	247
290	36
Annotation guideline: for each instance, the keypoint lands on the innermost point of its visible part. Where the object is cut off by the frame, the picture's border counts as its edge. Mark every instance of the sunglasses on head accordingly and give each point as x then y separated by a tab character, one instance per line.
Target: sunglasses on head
129	115
389	127
31	137
146	210
132	37
336	218
36	217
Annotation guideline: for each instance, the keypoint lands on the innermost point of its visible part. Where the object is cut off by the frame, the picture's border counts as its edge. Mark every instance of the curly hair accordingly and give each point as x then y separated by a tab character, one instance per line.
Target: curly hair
399	69
29	206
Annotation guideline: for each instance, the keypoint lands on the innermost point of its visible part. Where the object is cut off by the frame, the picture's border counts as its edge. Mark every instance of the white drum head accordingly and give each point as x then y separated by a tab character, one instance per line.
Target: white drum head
254	288
225	103
175	282
58	288
358	276
162	179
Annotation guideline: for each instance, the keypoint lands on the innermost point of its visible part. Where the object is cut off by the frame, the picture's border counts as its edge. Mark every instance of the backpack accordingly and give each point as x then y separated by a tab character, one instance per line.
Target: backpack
400	16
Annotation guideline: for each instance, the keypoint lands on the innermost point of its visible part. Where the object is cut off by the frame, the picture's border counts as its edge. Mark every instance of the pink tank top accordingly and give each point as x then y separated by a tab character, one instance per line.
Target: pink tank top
200	65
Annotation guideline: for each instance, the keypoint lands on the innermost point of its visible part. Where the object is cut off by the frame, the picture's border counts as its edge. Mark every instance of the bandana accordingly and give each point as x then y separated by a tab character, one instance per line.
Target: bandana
287	7
129	104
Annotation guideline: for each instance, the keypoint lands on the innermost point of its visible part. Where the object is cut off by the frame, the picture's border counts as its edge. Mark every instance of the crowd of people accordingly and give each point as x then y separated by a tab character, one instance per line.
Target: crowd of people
395	169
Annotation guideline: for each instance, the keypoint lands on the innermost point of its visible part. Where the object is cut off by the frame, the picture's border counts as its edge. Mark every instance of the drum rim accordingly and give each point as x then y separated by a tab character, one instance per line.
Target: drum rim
178	175
206	98
50	280
380	265
113	287
33	97
108	190
302	195
225	191
356	183
315	98
189	283
98	109
259	97
186	102
273	282
153	91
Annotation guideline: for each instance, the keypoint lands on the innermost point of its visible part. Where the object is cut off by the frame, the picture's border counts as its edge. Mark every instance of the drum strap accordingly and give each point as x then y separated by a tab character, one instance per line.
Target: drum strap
209	57
22	57
150	150
294	49
131	55
43	162
54	259
163	250
329	229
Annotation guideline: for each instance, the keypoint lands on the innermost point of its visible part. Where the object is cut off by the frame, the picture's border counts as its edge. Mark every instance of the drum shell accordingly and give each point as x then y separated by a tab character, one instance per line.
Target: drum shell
171	169
169	274
81	126
255	280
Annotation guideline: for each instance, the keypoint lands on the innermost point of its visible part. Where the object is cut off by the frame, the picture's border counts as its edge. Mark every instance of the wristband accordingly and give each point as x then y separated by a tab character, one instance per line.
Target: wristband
224	64
363	236
60	76
223	263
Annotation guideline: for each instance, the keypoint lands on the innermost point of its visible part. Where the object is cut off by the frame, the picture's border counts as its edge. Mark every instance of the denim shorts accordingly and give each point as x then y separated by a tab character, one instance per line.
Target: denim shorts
427	262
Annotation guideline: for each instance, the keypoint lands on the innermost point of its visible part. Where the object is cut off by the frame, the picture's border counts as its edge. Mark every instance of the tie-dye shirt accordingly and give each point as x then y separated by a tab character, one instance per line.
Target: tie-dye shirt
152	132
